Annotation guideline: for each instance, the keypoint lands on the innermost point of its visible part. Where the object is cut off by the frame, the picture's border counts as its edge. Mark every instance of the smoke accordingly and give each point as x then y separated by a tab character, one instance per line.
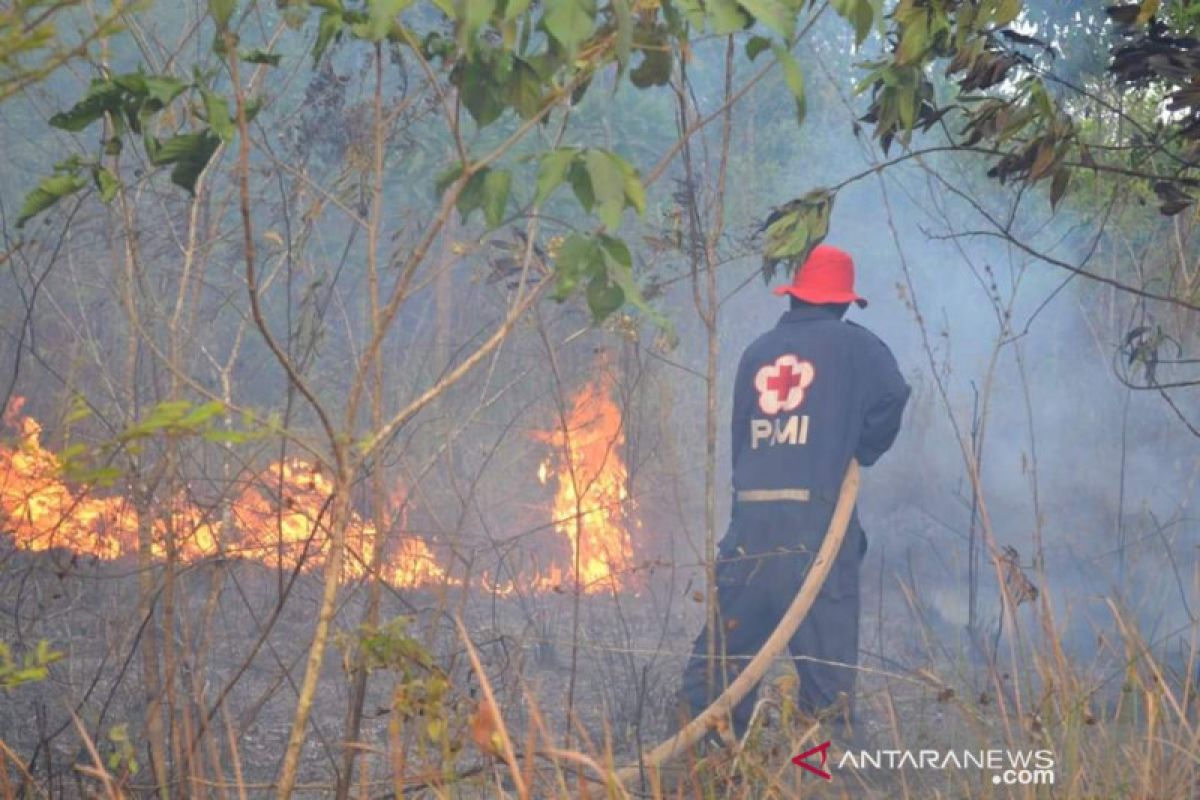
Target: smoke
1102	475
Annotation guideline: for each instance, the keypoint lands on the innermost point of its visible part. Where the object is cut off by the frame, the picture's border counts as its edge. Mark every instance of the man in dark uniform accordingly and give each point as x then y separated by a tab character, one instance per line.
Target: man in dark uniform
810	394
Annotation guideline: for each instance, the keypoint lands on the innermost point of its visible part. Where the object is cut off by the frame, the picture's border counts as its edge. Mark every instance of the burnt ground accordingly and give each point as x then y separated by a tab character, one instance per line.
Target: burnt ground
921	685
87	610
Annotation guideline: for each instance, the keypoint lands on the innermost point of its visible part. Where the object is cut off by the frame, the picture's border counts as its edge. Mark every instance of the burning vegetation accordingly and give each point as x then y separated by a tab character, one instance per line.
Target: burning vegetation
592	507
279	516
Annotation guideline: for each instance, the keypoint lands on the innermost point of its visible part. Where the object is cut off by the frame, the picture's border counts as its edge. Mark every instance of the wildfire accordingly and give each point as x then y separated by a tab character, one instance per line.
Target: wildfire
591	501
44	513
280	516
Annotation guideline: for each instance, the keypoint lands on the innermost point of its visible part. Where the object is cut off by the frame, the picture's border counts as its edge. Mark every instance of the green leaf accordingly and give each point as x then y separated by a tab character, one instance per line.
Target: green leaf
175	148
581	184
524	89
657	62
794	78
799	226
261	57
201	414
163	88
617	252
495	195
773	14
1006	12
552	171
475	14
101	97
603	298
1041	101
620	272
330	26
515	8
693	12
190	153
381	15
132	82
32	668
635	191
447	178
608	186
216	111
755	45
635	194
47	193
858	13
575	258
162	415
726	17
570	22
906	107
913	41
222	12
107	183
472	194
480	94
788	237
221	436
862	18
80	410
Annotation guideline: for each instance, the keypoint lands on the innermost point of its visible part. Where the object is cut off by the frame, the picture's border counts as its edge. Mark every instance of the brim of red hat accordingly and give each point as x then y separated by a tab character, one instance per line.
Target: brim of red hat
821	297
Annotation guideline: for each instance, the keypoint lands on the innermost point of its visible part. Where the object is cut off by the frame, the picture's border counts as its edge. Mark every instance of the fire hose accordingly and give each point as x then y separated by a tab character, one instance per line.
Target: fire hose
691	733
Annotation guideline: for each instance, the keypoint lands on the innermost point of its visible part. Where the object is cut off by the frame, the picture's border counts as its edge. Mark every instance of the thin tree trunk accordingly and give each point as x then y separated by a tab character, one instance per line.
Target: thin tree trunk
708	307
143	508
358	691
290	768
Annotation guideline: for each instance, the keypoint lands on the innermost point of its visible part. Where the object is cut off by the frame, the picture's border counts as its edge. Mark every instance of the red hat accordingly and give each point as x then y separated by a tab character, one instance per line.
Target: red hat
826	277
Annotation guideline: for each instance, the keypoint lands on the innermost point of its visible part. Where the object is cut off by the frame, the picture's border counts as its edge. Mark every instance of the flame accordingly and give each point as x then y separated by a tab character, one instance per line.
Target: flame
280	516
591	501
44	513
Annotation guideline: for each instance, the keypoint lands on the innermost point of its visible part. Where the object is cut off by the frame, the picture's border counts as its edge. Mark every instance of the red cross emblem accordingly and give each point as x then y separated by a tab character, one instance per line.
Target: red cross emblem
781	383
802	760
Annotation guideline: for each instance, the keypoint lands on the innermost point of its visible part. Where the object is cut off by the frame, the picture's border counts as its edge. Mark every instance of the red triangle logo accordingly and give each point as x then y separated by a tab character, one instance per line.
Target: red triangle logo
802	760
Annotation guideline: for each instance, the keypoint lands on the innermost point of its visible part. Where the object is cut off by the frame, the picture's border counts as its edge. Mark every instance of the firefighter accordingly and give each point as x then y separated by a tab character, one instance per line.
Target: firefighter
810	394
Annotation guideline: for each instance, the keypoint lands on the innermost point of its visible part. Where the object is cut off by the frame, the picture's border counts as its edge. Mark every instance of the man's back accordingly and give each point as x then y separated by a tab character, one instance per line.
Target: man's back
809	394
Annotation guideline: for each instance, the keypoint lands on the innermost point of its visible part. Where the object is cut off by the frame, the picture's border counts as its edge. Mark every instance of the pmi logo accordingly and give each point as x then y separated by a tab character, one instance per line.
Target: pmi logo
802	760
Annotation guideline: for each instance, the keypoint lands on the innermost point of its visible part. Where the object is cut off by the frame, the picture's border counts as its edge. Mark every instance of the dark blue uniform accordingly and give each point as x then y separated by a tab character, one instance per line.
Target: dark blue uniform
809	395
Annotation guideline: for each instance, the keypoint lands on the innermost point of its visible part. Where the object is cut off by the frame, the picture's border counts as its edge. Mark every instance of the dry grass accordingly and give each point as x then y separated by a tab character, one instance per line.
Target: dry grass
1138	740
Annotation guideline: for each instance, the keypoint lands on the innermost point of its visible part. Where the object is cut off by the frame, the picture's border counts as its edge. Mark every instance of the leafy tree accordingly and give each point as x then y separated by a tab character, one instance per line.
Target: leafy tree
32	45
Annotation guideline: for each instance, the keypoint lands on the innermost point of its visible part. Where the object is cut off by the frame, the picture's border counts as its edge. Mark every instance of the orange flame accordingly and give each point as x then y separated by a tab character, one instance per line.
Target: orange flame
591	501
280	517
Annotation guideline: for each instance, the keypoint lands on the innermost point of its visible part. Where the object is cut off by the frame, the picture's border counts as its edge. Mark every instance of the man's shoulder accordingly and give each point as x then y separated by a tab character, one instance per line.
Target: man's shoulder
783	335
864	334
869	342
860	329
